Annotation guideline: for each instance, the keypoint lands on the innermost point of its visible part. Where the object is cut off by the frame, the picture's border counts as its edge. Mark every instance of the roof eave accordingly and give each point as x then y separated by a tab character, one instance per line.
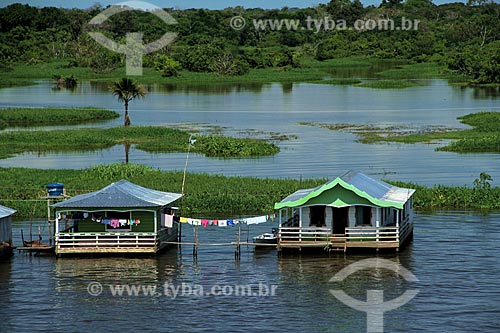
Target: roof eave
341	182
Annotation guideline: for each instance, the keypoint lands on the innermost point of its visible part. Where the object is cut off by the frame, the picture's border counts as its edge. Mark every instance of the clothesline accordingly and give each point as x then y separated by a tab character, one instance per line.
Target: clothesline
229	222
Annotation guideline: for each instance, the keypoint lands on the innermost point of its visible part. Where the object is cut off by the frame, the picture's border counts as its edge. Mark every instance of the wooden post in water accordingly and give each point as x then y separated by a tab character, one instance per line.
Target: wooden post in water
237	250
195	243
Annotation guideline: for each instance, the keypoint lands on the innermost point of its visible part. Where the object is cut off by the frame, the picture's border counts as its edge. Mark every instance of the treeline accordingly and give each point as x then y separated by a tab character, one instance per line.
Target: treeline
466	37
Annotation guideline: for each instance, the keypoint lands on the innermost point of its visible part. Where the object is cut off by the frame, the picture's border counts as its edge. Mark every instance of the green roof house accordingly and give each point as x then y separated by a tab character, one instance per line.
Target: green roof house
351	211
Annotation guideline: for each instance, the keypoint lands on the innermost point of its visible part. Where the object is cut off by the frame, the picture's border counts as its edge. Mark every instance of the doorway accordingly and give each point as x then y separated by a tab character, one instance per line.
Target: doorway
317	216
340	220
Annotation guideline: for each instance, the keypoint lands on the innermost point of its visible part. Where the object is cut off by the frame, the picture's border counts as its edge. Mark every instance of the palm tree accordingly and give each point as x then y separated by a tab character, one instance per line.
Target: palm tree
126	90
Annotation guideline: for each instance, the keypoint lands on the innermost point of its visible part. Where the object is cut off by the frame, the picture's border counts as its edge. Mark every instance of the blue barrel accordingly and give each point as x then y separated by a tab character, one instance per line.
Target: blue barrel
55	189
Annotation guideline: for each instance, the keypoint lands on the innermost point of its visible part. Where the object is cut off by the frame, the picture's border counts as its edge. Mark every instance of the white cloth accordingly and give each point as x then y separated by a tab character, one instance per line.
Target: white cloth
256	220
169	220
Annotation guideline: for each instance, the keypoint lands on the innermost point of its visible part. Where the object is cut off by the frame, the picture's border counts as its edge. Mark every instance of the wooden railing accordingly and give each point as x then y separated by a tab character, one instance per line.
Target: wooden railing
303	235
364	236
106	240
372	234
405	229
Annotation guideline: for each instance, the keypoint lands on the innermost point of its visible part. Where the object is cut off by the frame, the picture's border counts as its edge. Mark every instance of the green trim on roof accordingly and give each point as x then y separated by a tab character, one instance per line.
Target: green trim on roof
339	201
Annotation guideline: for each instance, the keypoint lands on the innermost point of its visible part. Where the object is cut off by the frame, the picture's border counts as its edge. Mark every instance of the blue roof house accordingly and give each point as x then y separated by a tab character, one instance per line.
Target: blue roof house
121	218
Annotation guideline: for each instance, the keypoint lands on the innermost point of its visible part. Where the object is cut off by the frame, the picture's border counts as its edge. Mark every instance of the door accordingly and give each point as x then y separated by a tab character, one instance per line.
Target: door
317	216
340	219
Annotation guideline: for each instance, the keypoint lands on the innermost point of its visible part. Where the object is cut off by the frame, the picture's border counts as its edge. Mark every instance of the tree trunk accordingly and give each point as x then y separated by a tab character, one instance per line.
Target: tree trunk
127	149
127	118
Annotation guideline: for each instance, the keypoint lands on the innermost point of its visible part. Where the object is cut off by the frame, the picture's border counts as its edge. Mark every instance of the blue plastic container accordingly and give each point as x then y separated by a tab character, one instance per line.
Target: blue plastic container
55	189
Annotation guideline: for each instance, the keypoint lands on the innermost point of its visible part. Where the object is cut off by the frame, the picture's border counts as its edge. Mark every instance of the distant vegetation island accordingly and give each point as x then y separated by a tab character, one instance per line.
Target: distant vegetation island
463	39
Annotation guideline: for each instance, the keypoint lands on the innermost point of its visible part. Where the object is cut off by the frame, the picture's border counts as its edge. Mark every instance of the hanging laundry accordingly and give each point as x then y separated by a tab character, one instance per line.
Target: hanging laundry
256	220
228	222
123	222
194	221
115	223
168	220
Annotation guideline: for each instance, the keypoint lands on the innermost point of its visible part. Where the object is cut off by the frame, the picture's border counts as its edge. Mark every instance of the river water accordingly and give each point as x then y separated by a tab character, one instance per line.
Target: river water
453	255
261	109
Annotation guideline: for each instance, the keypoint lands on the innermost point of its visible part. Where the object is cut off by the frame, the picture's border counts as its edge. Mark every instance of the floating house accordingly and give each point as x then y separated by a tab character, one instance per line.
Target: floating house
352	211
121	218
6	231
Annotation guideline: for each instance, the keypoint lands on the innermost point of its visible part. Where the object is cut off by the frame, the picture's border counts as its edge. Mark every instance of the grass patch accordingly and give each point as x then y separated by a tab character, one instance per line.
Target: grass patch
418	71
453	197
147	138
53	116
483	137
208	196
389	84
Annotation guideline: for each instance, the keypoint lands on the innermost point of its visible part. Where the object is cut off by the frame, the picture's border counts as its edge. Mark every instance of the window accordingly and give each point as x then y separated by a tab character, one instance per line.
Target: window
363	215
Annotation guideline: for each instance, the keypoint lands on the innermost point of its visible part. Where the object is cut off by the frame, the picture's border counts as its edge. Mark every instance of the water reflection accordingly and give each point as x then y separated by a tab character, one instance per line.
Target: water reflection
486	92
207	89
78	272
6	282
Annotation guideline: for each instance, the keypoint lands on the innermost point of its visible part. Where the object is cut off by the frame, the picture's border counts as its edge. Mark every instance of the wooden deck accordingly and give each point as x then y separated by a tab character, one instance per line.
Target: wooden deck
354	238
113	243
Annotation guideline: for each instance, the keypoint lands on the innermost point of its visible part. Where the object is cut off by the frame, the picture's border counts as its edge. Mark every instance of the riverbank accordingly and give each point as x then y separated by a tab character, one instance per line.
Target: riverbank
31	117
210	196
309	70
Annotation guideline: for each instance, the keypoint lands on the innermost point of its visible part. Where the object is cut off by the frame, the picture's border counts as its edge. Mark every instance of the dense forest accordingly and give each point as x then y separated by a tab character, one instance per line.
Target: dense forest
464	37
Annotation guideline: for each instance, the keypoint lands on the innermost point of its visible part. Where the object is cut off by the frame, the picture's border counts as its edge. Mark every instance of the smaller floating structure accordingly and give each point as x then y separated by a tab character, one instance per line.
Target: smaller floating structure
121	218
349	212
6	231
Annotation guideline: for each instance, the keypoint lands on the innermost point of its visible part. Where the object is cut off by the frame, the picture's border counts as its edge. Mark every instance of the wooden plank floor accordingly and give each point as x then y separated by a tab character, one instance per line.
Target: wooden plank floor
339	244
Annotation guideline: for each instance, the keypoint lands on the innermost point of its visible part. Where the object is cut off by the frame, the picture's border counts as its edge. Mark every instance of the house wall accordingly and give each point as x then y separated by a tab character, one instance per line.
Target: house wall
306	219
352	216
146	225
329	217
385	216
6	229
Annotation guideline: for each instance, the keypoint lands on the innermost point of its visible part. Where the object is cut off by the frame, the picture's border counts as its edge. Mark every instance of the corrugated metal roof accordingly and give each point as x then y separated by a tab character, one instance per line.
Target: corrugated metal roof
378	192
120	194
6	211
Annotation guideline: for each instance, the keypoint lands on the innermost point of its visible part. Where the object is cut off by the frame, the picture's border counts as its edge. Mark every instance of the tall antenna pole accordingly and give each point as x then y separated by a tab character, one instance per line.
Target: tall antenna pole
191	141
